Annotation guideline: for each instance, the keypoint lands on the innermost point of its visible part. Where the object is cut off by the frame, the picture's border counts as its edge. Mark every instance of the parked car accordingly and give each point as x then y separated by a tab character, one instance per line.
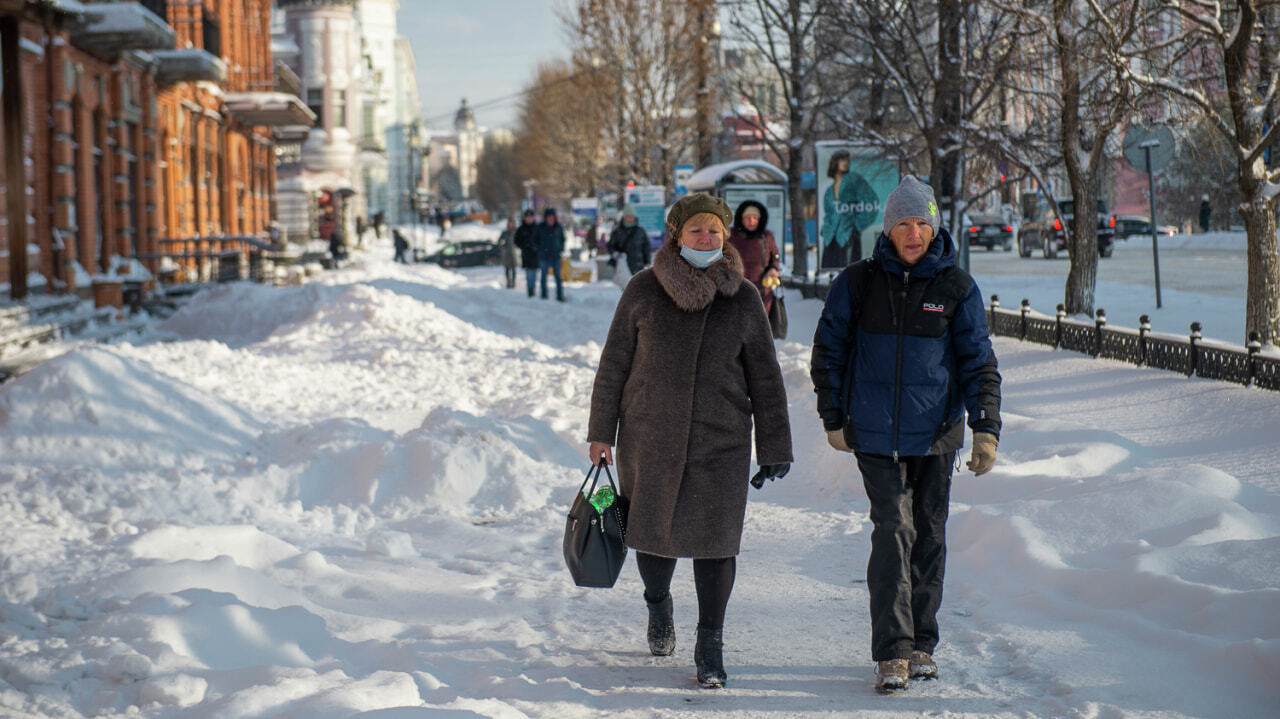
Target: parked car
989	231
1130	225
466	253
1044	231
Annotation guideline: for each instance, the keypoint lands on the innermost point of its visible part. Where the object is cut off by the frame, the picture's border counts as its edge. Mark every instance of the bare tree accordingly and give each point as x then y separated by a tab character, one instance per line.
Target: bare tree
1238	43
499	185
1093	99
639	51
561	135
784	35
928	81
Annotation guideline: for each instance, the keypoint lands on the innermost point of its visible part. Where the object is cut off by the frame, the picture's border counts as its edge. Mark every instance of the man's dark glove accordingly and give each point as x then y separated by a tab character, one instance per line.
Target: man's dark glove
770	472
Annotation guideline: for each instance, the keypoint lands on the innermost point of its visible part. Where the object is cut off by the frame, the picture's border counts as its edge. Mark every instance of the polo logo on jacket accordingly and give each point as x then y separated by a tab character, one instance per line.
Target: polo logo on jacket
930	307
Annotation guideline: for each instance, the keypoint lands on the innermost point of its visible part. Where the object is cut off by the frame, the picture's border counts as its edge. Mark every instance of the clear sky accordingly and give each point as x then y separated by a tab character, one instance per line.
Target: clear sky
482	50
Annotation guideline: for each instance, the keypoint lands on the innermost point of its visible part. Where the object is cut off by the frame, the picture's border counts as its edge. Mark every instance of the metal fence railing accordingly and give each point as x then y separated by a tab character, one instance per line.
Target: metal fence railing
1191	355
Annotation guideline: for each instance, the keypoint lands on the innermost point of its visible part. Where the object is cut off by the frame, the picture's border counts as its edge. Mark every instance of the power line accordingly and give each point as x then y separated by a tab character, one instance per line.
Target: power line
508	98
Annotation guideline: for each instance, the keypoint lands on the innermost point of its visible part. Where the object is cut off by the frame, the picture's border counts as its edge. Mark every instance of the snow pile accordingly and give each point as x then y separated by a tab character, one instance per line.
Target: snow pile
347	497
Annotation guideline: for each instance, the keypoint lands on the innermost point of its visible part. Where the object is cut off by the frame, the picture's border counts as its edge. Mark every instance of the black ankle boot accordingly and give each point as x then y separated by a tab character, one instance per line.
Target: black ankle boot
662	628
709	658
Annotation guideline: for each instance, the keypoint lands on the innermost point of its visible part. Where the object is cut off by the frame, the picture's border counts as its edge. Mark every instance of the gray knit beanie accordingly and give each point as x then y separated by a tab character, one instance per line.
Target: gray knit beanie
911	198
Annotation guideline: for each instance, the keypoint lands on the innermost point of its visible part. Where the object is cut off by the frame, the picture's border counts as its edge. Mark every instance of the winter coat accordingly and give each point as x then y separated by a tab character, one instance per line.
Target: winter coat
548	240
634	242
759	250
921	355
524	240
688	363
507	242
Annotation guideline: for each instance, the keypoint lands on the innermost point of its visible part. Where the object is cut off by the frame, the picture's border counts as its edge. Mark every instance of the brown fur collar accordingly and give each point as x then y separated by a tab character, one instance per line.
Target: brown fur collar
693	289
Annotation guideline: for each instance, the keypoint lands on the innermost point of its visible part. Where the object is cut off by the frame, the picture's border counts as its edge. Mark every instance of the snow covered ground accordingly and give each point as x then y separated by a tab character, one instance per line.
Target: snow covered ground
347	499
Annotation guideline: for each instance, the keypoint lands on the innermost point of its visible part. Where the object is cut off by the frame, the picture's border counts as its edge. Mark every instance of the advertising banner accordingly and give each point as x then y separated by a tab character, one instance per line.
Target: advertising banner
651	210
852	186
682	173
585	212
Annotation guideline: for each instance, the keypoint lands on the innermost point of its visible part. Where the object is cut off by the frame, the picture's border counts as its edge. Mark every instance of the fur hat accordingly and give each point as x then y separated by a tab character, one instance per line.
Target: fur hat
695	203
911	198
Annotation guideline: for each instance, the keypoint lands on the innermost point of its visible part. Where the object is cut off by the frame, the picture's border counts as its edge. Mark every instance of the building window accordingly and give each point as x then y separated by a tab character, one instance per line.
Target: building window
339	108
315	101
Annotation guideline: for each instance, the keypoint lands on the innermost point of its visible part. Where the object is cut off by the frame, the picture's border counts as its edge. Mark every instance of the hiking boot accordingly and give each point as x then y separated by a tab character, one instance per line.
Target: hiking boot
891	675
921	666
662	628
709	658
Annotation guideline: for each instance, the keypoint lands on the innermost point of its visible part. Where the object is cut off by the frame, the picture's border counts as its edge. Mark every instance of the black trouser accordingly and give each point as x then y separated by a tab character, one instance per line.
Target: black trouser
909	500
713	579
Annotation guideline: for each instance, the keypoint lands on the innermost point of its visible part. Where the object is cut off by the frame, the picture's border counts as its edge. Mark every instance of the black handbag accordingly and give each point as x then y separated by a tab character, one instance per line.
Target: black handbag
595	542
778	316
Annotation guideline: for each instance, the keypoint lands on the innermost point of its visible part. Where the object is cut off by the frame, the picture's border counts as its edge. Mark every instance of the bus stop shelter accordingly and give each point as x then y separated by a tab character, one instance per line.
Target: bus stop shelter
741	180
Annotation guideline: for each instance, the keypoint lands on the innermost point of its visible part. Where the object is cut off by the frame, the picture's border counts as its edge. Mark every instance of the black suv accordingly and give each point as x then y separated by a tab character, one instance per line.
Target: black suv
1044	231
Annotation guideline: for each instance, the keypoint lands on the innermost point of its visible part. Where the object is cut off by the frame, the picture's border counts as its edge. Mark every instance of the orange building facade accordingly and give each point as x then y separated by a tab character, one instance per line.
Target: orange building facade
146	141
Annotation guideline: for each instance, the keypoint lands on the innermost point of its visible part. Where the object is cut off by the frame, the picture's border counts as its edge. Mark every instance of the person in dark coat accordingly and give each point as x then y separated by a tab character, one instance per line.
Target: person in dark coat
401	245
528	253
759	250
630	239
507	241
548	239
900	355
1206	210
687	365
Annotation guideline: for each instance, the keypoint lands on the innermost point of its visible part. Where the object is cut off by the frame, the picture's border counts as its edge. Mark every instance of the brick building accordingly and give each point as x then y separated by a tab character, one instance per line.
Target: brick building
146	138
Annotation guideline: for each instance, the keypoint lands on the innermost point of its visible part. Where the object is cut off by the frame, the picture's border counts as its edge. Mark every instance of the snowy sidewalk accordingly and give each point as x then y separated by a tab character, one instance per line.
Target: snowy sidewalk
348	497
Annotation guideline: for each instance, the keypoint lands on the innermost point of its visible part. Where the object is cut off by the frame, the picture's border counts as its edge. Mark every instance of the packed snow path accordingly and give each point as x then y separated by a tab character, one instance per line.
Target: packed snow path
348	497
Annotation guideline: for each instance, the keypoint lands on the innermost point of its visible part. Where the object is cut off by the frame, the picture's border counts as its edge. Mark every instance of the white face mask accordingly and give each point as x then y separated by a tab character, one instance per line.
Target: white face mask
702	259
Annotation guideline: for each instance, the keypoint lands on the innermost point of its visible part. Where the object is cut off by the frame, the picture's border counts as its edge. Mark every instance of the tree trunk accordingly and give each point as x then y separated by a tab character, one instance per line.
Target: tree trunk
1262	304
796	154
795	196
947	103
1082	237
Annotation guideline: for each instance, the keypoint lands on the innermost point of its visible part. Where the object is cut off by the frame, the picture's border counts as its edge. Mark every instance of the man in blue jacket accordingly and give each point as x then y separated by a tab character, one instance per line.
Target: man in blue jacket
900	355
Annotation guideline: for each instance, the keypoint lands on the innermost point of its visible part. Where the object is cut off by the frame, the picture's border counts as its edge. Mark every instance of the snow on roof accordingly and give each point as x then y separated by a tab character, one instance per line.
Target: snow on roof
751	172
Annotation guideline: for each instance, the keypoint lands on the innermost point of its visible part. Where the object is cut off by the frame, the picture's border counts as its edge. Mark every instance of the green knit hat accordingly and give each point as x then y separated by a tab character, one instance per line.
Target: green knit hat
696	203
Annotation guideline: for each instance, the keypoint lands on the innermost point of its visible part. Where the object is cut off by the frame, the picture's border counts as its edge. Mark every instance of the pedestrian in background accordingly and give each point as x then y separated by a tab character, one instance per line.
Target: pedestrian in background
900	354
687	365
630	239
1205	211
507	241
401	245
548	239
528	251
759	250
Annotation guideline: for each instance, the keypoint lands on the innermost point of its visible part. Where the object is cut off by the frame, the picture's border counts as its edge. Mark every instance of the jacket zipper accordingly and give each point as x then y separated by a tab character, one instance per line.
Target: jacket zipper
897	378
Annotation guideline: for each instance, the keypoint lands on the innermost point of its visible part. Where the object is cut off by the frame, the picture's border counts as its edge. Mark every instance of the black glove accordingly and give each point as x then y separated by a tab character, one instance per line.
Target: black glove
770	472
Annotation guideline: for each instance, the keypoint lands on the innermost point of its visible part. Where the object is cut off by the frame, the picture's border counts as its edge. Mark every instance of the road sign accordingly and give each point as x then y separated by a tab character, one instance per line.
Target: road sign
1139	139
682	175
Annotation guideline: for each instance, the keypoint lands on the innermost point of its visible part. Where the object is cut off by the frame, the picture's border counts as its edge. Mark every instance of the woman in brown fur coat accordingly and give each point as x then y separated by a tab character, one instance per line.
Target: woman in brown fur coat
687	365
